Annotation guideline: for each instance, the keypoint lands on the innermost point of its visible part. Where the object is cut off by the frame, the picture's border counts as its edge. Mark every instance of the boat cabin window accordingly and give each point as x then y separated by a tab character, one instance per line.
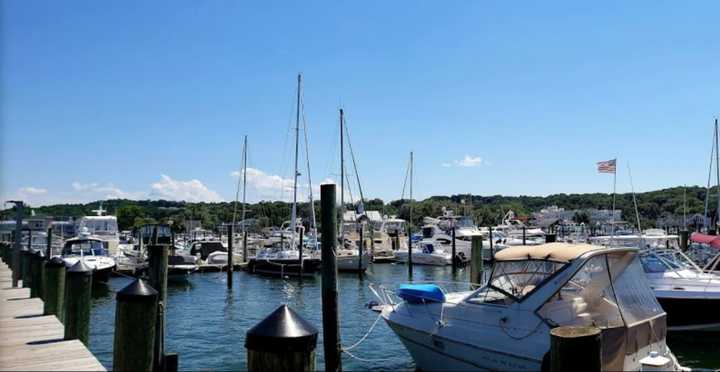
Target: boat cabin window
84	248
513	280
586	299
427	232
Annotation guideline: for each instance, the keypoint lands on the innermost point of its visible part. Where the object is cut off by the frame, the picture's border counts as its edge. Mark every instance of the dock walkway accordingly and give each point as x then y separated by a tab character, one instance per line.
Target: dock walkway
30	341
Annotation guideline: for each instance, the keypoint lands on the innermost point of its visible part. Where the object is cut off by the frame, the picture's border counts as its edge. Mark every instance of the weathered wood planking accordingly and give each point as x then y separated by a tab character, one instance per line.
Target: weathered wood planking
33	342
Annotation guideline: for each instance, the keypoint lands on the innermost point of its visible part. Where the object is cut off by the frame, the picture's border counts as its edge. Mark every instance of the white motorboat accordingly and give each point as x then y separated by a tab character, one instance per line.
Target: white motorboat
93	252
180	266
513	229
426	252
102	227
505	325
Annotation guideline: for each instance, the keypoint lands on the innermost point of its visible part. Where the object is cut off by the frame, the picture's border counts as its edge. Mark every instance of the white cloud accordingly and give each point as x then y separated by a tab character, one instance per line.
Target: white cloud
264	186
96	191
467	162
30	190
191	191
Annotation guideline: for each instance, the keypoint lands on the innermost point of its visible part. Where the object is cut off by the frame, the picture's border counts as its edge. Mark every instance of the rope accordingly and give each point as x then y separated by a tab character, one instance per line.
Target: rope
365	336
365	360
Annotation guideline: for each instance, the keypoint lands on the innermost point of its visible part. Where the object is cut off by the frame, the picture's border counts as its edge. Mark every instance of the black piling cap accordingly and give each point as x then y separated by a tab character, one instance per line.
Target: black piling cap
26	252
40	254
80	268
282	331
55	262
138	290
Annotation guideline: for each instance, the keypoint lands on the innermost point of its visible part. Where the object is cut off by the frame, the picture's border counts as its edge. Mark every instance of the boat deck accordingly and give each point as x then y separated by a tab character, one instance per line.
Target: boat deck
33	342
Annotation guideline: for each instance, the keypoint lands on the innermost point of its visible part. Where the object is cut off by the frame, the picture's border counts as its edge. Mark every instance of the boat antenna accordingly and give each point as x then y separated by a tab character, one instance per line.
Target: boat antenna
293	215
637	214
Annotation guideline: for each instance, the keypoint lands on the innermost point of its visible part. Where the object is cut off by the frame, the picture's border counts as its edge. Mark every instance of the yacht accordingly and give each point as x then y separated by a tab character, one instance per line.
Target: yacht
512	228
104	228
93	252
426	252
348	259
209	252
284	260
505	324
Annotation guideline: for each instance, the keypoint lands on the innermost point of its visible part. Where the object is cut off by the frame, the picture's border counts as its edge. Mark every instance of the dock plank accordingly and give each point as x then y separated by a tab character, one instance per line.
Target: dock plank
32	341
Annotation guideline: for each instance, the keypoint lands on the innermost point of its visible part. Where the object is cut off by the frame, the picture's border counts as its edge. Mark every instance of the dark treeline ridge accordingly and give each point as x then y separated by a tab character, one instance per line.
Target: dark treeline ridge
656	208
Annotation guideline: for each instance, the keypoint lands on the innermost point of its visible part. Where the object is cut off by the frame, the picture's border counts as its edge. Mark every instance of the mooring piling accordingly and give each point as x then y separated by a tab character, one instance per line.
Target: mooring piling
360	250
684	235
78	296
25	264
37	262
492	248
158	266
409	259
575	348
54	288
135	326
231	237
476	262
454	252
331	320
16	268
245	250
524	235
48	250
283	341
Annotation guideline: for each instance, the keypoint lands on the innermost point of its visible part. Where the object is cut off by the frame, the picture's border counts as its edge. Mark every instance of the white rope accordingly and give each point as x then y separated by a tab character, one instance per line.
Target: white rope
365	336
365	360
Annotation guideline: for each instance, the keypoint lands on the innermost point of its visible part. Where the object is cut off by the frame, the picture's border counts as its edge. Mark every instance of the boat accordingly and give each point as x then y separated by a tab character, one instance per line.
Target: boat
513	229
180	266
93	252
506	323
388	237
103	227
426	252
440	229
209	253
288	256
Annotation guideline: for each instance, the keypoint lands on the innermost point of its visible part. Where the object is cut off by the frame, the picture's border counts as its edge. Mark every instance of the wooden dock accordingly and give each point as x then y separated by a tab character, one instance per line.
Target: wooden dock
30	341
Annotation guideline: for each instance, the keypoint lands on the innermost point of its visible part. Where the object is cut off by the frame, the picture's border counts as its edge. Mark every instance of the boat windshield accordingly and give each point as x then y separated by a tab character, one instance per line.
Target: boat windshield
513	280
466	222
663	260
84	248
608	291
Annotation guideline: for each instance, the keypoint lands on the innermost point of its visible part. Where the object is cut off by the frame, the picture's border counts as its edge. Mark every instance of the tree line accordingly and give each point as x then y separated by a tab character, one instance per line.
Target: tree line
660	207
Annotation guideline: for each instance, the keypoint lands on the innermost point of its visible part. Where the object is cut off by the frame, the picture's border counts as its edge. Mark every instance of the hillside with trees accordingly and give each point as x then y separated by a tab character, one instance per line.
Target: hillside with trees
655	208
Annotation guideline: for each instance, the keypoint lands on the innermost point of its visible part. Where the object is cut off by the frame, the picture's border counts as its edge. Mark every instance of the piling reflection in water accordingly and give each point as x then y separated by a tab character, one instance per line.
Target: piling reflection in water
206	324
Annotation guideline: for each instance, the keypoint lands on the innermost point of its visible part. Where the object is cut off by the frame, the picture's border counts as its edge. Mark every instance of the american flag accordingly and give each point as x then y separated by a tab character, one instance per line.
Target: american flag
606	166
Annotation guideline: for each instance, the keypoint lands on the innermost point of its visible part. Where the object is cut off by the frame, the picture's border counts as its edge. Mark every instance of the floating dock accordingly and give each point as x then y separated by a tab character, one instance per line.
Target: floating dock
32	341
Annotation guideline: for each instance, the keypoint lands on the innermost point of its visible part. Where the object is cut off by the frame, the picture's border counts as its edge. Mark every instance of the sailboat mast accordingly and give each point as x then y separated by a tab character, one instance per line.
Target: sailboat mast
717	172
342	162
293	217
244	183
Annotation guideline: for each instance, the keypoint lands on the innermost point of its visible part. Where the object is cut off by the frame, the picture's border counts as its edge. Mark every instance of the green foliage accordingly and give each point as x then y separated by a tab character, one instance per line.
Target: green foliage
487	210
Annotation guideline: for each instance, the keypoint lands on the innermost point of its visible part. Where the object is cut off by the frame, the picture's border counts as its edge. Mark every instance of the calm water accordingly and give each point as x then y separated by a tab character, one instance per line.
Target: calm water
206	323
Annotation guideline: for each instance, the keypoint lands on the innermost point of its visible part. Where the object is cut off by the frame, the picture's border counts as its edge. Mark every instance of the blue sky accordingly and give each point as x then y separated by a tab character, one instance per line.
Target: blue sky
151	99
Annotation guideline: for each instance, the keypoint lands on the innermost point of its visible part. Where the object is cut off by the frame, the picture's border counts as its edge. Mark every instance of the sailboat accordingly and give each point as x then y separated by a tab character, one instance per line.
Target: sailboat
352	224
288	257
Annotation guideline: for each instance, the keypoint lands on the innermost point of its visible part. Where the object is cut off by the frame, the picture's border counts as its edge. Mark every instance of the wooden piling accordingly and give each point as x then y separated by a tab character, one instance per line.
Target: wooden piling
245	250
16	268
78	296
37	263
524	234
360	250
492	249
157	269
54	288
48	250
331	320
476	262
135	326
454	252
684	235
283	341
231	237
575	349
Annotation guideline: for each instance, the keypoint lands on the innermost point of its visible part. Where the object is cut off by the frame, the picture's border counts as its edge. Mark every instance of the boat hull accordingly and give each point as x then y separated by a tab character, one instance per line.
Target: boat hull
350	263
283	267
103	275
691	314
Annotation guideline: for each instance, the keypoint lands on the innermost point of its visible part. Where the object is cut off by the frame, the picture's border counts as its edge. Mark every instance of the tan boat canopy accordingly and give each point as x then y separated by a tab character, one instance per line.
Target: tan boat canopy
558	252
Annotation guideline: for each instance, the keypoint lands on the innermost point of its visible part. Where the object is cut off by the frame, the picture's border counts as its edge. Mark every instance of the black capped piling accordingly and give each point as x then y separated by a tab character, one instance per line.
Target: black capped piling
283	341
245	250
524	232
575	349
490	240
331	320
231	237
78	295
135	326
26	256
409	260
37	263
16	267
54	288
476	261
550	238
